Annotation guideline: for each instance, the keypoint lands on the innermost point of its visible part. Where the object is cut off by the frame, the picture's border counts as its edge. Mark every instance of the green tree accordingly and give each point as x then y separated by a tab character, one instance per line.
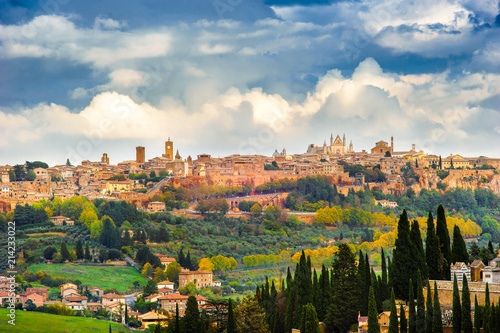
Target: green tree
87	252
420	305
403	324
418	249
444	242
343	310
466	310
150	288
477	316
412	316
373	325
191	321
456	307
64	251
325	293
384	287
250	317
309	320
393	317
231	325
79	250
402	267
304	285
177	323
458	249
437	322
429	311
49	252
432	251
30	175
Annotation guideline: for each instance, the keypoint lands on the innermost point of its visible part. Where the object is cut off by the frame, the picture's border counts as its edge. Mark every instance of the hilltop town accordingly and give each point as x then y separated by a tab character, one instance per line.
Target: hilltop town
383	167
144	242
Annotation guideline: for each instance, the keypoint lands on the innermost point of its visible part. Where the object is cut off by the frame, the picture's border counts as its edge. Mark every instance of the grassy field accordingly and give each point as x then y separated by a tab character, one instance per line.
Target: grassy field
47	323
103	277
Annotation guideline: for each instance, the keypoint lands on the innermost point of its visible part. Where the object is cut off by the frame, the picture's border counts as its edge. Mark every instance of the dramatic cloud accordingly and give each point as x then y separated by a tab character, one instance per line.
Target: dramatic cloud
243	77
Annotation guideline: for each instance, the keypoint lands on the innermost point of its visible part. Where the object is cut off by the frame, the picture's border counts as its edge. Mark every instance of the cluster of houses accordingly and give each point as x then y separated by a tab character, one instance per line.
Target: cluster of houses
476	271
167	297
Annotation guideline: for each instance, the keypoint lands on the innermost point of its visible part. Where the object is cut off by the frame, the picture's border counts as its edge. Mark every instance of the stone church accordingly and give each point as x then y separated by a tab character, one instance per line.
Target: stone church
336	147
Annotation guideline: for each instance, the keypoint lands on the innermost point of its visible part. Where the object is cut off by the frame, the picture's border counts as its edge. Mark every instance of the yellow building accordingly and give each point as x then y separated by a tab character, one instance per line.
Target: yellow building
383	147
118	186
456	161
199	278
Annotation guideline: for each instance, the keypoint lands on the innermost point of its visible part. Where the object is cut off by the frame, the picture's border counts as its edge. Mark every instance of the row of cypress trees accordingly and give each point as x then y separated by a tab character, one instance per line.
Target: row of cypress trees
428	319
433	262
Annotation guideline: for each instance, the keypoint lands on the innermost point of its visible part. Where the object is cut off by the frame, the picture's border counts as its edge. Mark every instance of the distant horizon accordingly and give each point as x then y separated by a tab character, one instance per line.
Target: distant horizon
78	80
160	152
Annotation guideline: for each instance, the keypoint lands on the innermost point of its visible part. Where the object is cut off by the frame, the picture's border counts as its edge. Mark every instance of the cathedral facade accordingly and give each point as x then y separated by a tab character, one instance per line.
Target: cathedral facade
336	147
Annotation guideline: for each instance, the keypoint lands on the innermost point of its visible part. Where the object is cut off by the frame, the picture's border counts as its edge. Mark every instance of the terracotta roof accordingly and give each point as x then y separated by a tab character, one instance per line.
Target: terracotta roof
165	282
152	315
75	298
476	263
112	296
195	272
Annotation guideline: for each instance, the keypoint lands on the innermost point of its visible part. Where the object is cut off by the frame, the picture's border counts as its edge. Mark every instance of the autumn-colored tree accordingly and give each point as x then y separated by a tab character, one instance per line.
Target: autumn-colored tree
206	264
256	210
147	270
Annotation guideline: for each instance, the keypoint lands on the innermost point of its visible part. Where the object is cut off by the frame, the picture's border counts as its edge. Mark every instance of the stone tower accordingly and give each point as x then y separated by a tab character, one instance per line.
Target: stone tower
169	149
140	154
105	158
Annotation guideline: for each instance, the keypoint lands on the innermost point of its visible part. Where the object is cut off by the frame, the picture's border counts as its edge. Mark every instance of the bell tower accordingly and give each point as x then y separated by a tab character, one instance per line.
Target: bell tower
169	149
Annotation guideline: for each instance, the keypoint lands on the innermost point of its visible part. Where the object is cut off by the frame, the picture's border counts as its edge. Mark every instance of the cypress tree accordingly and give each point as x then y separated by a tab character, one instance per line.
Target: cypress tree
316	291
493	318
420	324
487	296
412	317
79	250
444	241
177	324
376	290
466	319
303	285
486	311
459	249
429	311
477	316
437	323
393	316
64	251
290	306
491	249
362	278
402	267
389	282
456	308
325	293
403	325
230	318
432	251
87	252
373	325
384	286
309	320
191	320
418	250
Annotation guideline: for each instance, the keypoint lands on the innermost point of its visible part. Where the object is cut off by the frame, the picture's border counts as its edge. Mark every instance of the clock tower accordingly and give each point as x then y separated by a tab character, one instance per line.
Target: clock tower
169	149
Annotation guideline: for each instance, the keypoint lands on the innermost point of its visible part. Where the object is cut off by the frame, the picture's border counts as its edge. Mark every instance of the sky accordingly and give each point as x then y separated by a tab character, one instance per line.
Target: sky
83	78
